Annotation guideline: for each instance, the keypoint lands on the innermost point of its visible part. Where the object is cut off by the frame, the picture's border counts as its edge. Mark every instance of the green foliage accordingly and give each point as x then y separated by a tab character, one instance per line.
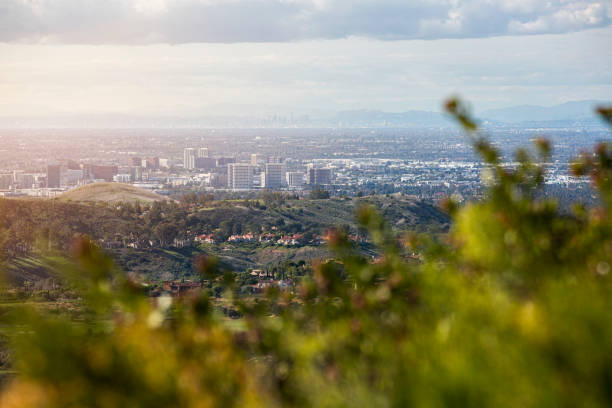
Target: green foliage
273	199
512	308
318	193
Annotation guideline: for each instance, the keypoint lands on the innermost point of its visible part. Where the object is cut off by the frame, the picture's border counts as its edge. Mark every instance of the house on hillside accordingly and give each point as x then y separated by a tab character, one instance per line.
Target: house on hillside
258	273
206	239
249	237
289	240
177	289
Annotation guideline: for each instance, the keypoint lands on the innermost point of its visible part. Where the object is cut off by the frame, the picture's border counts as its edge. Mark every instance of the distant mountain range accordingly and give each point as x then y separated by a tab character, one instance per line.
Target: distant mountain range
569	114
578	113
569	111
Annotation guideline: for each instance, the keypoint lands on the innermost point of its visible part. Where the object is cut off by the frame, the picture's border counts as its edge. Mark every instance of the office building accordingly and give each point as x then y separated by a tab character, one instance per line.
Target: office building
54	175
295	179
239	176
318	176
203	152
189	156
136	161
275	175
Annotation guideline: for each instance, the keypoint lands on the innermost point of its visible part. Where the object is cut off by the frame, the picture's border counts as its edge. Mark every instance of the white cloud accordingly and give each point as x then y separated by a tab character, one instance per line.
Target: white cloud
227	21
562	20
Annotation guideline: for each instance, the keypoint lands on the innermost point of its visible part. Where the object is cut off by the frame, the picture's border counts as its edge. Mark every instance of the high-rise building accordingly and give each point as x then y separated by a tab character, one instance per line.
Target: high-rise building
54	175
203	152
135	161
275	175
295	179
318	176
189	156
239	176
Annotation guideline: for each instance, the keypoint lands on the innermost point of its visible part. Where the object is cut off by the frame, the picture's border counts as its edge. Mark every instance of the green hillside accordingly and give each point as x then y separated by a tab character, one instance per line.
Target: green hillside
110	192
157	240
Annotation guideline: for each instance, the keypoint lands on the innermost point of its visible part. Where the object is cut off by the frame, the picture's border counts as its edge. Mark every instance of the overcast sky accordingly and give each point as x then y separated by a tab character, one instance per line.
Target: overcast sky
256	57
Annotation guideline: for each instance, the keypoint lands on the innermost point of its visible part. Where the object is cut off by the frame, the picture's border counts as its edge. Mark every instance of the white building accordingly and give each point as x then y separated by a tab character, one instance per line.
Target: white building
203	152
239	176
189	156
122	178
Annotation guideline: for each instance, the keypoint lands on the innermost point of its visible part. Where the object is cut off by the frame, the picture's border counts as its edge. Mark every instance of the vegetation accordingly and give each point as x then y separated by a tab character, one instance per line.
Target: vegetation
512	309
157	240
318	193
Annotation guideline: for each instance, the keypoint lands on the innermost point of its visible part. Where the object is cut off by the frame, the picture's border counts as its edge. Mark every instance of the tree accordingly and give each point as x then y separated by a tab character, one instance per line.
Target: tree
165	233
319	194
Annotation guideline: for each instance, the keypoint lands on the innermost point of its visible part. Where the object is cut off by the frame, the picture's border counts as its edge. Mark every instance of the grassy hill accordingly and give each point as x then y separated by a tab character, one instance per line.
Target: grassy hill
110	192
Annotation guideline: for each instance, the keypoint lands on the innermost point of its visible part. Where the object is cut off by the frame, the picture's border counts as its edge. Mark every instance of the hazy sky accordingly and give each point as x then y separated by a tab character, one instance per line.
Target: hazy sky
255	57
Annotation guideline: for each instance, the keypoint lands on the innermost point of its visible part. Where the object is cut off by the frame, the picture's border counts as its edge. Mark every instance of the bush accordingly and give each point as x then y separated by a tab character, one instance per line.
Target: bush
318	193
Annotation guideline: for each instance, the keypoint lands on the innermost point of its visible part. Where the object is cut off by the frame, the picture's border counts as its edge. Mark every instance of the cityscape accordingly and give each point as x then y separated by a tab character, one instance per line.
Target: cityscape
424	163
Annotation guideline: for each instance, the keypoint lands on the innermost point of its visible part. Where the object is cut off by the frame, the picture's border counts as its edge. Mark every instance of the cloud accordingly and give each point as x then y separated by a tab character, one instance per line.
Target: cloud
229	21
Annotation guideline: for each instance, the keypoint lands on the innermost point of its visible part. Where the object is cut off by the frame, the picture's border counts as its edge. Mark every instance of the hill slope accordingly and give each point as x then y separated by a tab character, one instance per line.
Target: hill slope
157	241
110	192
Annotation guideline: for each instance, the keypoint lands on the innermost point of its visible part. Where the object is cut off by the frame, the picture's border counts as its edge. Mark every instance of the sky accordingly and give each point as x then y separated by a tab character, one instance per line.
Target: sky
189	58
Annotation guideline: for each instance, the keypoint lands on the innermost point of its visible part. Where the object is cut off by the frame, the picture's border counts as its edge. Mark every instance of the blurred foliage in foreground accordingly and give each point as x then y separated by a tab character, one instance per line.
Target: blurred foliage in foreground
514	309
